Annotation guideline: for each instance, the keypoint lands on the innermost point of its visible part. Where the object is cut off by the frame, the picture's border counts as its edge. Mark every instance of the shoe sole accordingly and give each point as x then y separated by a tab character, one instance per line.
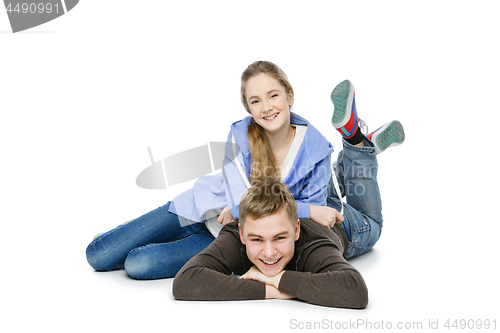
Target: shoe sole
340	99
392	135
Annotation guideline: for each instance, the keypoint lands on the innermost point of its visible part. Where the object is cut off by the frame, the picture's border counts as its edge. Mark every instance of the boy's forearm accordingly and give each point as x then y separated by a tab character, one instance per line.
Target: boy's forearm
274	293
204	284
343	288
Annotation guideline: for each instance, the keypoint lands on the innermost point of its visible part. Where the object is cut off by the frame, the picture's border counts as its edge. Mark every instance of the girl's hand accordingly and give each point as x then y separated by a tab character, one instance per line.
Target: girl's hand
326	216
225	217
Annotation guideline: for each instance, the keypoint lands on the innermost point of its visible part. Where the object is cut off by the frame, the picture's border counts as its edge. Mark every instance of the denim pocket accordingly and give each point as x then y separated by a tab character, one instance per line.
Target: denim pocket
362	224
360	234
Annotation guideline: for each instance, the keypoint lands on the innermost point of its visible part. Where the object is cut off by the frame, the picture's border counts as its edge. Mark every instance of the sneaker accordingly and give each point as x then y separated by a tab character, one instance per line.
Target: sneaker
345	117
102	233
97	236
390	134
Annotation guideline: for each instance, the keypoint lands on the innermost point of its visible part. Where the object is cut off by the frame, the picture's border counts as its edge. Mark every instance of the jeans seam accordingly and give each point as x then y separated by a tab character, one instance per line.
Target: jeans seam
147	246
104	235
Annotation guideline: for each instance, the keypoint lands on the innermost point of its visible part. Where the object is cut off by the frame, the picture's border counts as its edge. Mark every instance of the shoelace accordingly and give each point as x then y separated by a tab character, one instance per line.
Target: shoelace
363	127
337	189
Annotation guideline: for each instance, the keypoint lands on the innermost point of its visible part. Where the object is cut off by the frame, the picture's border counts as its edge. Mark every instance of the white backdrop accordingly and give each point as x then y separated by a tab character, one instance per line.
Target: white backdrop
83	96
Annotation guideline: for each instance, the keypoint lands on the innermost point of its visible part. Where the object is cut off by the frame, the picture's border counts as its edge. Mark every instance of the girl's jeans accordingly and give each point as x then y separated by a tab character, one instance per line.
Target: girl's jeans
155	245
356	171
152	246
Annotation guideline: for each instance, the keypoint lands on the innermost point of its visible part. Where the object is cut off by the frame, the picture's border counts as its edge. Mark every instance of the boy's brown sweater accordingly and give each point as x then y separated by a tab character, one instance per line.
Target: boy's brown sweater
317	273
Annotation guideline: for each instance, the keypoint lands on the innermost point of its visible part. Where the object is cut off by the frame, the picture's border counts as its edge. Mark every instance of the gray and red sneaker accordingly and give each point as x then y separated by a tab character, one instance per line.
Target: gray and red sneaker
390	134
345	118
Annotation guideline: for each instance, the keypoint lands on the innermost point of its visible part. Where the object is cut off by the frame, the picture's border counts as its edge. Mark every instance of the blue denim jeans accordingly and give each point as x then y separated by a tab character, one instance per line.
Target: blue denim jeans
152	246
356	171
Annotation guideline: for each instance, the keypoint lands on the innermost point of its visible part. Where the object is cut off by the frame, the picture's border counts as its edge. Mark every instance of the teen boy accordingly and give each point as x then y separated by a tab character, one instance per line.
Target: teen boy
277	256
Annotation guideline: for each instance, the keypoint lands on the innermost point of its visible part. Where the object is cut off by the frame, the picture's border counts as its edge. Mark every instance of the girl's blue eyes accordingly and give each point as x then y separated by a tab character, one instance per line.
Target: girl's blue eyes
256	101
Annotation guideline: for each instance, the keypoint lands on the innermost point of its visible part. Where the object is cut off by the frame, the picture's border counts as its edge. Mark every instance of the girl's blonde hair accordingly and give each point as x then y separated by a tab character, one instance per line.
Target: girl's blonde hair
263	161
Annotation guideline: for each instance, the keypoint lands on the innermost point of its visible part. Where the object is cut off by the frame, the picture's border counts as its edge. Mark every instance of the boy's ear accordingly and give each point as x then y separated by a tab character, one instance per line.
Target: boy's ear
297	230
241	234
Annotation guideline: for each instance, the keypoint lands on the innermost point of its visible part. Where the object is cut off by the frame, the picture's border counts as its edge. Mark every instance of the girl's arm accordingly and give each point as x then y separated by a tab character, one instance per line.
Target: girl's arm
312	200
314	189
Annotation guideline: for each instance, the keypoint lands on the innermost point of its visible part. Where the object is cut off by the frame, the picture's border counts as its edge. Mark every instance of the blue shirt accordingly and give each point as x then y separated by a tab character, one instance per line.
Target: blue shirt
307	180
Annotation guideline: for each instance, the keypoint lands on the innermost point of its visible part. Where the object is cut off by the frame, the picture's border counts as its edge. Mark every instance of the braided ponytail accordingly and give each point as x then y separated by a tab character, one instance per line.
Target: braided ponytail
263	161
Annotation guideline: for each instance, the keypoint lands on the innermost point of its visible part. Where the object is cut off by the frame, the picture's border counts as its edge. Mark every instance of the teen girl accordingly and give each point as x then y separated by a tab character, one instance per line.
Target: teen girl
272	142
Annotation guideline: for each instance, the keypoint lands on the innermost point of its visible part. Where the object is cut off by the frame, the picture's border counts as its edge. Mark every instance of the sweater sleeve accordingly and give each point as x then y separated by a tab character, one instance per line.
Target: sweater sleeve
326	278
207	276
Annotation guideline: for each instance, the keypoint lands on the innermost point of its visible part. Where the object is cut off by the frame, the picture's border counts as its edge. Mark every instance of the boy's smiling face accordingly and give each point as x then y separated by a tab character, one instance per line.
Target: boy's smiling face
270	241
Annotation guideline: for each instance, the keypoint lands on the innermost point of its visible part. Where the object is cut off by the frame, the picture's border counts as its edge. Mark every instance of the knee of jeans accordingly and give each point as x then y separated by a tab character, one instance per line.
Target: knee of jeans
138	265
99	258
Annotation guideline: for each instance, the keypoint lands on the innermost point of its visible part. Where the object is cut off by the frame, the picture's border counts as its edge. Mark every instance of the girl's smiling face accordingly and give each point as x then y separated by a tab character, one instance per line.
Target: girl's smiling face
269	103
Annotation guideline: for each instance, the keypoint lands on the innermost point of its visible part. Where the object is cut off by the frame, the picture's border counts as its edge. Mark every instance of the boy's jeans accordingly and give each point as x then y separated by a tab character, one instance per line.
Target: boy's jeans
356	171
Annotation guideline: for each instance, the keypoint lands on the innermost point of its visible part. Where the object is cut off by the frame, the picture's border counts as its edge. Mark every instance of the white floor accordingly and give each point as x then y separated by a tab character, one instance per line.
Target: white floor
83	96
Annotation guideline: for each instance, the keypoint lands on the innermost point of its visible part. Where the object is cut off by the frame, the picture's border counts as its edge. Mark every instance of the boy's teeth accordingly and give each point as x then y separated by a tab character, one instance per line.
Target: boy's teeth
270	262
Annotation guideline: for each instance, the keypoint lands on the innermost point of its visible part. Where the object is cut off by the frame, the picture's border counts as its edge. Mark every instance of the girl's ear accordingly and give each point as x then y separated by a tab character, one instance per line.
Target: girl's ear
290	97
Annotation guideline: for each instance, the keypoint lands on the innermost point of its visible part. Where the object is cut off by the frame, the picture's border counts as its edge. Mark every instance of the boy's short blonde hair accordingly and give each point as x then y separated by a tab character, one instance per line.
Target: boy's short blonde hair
266	198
